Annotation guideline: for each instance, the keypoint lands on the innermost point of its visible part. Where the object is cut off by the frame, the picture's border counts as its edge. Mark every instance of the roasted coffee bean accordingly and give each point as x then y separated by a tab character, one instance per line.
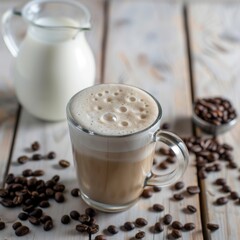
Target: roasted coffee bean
10	178
226	189
112	229
163	165
232	165
28	209
84	218
82	228
75	192
222	201
21	231
191	208
3	193
38	173
147	193
27	173
212	226
128	226
189	226
140	235
92	229
23	216
2	225
179	185
164	151
90	212
44	204
176	234
59	187
100	237
234	195
56	178
193	190
36	213
158	227
59	197
167	219
65	219
45	218
141	222
202	174
158	207
157	189
74	215
37	157
221	181
18	200
33	220
49	192
64	163
165	126
51	155
7	203
35	146
177	225
48	225
178	196
16	225
22	159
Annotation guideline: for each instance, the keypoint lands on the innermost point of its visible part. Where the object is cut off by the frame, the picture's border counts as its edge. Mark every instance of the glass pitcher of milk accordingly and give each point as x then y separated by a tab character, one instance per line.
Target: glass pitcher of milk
54	60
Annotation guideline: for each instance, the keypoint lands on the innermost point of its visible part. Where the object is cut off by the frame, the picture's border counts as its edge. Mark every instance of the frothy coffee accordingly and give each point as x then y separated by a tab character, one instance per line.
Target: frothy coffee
113	109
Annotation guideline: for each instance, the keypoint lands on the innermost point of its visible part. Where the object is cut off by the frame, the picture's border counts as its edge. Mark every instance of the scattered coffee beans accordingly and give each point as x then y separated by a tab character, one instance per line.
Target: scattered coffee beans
191	208
22	231
35	146
59	197
48	225
37	157
64	163
147	193
158	227
212	226
112	229
140	235
16	225
189	226
158	207
128	226
193	190
90	212
179	185
176	234
65	219
177	225
222	201
178	196
22	159
234	195
2	225
33	220
51	155
167	219
38	173
23	216
100	237
141	222
220	181
74	215
157	189
75	192
82	228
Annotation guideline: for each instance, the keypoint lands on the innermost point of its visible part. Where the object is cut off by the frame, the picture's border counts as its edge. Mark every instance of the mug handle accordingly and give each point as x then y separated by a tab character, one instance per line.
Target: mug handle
181	152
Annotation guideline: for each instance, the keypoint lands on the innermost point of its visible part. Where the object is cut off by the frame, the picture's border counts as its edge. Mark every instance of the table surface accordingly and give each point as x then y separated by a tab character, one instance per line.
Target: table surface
176	52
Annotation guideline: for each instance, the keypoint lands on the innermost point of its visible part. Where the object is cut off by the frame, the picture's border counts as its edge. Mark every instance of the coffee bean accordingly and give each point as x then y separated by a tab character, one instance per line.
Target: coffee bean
23	216
74	215
82	228
128	226
37	157
212	226
10	178
33	220
27	173
100	237
16	225
232	165
3	192
202	174
7	203
93	228
49	192
84	218
193	190
35	146
48	225
147	193
176	234
44	204
165	126
234	195
65	219
163	165
45	218
75	192
222	201
36	213
28	209
2	225
90	212
158	207
21	231
141	222
179	185
56	178
167	219
22	159
112	229
220	181
157	189
189	226
226	189
59	197
140	235
177	225
38	173
64	163
158	227
191	208
178	197
51	155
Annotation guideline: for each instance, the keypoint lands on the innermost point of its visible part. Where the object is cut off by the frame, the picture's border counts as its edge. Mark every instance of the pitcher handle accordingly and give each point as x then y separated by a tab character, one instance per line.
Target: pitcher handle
181	152
6	31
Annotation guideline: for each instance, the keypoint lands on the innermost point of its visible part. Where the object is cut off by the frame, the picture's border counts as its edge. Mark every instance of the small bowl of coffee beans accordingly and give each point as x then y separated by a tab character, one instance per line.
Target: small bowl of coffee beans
214	115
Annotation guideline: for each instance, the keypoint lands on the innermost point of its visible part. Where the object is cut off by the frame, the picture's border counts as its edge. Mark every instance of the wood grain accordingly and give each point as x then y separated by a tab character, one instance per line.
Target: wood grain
215	43
146	48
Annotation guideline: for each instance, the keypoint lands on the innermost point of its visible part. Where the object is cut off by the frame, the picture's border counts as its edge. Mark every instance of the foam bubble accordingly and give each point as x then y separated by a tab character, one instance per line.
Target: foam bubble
113	109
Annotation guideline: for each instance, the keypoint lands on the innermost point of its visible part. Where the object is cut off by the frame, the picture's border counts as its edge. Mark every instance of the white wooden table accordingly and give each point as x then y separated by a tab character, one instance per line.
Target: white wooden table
176	52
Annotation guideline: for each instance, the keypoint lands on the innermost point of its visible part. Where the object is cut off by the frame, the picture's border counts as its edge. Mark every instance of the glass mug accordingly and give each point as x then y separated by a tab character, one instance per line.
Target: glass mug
114	129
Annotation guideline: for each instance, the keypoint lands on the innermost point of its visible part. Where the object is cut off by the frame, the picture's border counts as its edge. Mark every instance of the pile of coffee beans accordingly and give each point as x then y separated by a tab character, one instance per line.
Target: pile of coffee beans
216	110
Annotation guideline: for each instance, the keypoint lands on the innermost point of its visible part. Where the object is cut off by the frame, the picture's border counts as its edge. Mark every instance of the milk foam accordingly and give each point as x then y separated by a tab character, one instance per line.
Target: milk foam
113	109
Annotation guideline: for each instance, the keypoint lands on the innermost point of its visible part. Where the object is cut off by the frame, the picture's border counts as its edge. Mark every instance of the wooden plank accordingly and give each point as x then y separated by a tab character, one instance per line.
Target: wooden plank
8	102
216	54
146	48
52	137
